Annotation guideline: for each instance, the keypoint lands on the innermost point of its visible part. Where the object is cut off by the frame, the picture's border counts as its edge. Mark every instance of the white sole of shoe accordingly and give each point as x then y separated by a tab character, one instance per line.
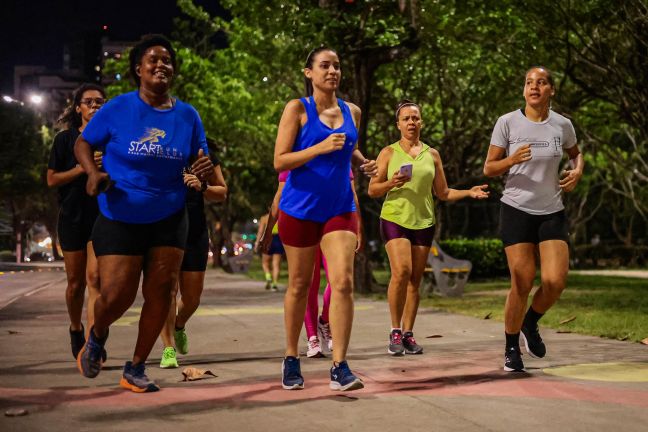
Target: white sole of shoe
508	369
395	353
526	346
354	385
294	387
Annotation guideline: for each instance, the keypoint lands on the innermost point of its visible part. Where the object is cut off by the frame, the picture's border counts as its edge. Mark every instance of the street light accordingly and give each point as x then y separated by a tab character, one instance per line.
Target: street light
7	99
36	99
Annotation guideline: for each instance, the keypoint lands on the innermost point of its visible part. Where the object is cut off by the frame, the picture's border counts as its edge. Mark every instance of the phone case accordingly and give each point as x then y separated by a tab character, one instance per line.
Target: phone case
406	170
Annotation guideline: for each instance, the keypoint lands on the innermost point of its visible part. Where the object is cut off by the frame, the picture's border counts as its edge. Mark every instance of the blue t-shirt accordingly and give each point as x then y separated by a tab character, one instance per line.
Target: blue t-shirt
320	189
145	152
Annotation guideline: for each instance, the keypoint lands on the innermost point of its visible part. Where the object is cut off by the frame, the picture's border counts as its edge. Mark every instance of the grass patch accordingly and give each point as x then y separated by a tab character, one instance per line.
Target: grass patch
611	307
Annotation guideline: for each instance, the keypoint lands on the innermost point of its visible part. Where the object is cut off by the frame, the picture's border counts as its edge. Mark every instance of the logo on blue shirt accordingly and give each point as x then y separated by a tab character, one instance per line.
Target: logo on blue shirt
149	146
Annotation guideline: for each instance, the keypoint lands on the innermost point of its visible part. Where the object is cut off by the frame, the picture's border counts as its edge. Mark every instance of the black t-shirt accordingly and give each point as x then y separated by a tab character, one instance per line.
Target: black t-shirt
74	202
196	204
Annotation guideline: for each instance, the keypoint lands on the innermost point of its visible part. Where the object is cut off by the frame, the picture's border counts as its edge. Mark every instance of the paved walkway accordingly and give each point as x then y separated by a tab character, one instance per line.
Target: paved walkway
584	384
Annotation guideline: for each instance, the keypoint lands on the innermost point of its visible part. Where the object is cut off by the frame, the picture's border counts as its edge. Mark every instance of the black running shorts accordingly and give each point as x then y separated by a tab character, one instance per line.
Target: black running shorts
74	235
517	226
111	237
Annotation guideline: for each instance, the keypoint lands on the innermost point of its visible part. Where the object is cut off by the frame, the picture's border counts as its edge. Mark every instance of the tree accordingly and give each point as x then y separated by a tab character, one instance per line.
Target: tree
22	165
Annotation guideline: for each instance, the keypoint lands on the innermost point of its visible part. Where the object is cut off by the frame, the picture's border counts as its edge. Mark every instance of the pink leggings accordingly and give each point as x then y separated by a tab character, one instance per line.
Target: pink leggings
310	318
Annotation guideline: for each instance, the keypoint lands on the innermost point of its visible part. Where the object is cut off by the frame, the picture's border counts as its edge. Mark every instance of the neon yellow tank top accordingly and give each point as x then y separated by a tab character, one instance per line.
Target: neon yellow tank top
411	206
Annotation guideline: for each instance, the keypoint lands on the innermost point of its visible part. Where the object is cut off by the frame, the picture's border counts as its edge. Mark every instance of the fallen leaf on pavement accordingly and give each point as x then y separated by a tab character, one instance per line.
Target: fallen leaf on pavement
565	321
645	341
624	338
193	374
15	412
13	331
564	331
433	336
488	315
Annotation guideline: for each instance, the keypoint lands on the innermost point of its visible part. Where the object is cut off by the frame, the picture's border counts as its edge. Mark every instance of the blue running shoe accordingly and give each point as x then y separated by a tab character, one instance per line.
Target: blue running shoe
90	358
135	379
292	378
343	379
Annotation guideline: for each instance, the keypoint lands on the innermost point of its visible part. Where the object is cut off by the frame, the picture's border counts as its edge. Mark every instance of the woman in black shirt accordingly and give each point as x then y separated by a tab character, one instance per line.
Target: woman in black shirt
77	210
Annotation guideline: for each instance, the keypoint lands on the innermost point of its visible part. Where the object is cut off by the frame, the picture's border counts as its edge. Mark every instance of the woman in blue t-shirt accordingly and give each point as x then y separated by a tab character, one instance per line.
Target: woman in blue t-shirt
149	138
316	139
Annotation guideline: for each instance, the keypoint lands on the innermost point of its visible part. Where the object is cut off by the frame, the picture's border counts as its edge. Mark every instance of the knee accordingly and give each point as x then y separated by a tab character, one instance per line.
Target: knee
402	275
521	283
553	285
92	278
342	286
298	289
76	287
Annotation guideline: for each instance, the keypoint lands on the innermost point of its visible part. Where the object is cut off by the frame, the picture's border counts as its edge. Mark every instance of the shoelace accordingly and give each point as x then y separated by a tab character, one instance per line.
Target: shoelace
312	344
396	338
167	354
344	370
138	371
410	340
292	368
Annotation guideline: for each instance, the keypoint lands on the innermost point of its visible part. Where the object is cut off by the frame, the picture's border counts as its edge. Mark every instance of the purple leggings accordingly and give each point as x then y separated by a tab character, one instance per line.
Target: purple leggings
310	318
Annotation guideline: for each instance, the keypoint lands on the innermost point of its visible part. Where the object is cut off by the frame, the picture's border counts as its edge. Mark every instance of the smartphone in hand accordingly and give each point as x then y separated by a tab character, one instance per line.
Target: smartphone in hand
406	170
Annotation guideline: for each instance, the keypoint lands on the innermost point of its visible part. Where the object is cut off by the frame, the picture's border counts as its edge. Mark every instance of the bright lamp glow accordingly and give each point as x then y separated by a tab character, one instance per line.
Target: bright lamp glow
36	99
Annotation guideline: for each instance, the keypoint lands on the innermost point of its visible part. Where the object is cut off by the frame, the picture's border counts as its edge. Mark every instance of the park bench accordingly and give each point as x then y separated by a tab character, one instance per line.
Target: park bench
444	275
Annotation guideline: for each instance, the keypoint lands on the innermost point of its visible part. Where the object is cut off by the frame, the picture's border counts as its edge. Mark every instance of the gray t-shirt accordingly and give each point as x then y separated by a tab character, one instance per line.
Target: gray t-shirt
532	186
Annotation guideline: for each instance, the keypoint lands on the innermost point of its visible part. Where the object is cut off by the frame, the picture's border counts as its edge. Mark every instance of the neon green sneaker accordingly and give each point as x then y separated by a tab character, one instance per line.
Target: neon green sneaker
181	341
169	358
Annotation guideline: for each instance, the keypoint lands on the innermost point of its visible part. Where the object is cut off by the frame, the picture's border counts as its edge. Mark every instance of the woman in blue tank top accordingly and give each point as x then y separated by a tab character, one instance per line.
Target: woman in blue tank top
316	139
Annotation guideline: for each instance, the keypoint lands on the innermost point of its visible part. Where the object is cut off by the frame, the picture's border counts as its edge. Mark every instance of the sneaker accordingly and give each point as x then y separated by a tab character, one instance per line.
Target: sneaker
274	288
181	341
314	348
135	379
89	359
291	374
77	340
410	345
168	358
268	284
533	342
513	360
324	330
396	343
342	378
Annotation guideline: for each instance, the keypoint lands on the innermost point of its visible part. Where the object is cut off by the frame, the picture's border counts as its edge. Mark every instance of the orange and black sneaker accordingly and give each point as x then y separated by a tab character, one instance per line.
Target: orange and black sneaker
90	358
135	379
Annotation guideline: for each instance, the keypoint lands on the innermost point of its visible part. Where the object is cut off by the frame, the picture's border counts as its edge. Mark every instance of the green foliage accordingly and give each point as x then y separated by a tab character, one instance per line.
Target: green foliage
611	307
487	255
21	151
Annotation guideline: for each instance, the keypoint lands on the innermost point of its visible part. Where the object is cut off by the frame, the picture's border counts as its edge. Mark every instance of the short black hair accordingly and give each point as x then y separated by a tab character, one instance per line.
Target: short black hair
138	51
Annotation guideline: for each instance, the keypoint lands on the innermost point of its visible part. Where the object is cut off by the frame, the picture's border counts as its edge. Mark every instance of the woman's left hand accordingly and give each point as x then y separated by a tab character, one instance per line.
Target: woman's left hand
369	168
569	180
479	192
203	166
192	181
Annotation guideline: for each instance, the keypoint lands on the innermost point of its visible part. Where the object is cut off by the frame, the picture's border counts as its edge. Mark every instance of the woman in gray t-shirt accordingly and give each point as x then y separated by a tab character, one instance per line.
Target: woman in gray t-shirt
527	145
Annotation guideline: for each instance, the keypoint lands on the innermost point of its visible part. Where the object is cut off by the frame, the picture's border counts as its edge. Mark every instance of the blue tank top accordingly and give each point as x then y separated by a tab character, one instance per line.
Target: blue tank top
320	189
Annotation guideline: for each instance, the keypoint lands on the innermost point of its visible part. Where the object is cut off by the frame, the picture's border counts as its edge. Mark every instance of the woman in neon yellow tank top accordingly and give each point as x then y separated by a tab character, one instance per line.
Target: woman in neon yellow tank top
409	171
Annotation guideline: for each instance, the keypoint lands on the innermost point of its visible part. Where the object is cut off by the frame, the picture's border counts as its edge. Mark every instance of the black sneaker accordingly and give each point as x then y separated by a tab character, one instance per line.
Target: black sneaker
410	345
533	342
77	340
513	360
90	358
396	343
292	378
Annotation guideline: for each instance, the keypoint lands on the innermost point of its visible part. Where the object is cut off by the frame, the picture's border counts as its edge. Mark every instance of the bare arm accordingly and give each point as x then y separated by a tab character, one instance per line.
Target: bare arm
379	185
84	154
496	164
273	216
571	177
217	188
360	232
56	178
444	193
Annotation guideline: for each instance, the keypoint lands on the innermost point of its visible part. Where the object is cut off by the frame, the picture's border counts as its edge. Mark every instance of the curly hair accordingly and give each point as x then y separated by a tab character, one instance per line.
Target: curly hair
70	118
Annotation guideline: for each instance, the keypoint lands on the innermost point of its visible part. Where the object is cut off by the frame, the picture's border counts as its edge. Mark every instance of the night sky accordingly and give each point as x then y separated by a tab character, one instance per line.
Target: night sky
34	32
